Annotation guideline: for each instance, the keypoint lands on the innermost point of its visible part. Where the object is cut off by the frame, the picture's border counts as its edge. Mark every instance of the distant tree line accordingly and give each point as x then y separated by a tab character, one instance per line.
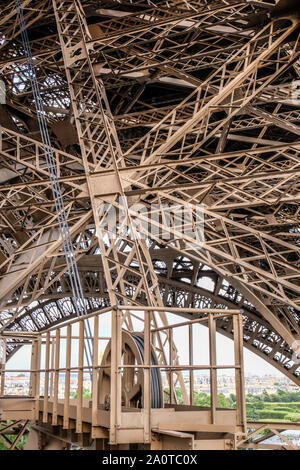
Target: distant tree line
279	406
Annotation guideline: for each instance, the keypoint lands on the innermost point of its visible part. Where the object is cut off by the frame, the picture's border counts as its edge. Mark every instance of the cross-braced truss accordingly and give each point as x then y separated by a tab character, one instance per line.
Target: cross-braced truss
179	103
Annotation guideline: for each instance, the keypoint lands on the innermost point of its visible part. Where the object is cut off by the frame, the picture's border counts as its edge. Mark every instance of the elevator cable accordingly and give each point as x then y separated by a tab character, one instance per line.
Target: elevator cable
72	268
156	401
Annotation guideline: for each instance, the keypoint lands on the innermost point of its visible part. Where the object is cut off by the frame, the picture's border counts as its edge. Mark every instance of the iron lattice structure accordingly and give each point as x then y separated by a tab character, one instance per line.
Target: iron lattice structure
161	102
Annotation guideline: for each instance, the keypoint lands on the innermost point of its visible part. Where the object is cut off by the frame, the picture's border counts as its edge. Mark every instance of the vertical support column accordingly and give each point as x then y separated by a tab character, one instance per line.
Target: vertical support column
2	365
115	374
191	360
213	363
38	376
172	397
56	377
33	381
34	388
147	376
46	380
80	378
239	372
52	345
67	378
95	373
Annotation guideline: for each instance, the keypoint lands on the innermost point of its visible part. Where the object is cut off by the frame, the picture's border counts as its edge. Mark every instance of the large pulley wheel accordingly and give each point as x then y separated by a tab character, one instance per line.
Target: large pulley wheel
132	378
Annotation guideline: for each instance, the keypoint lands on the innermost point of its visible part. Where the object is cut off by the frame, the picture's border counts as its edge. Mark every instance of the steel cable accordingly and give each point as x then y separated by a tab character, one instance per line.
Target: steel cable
72	268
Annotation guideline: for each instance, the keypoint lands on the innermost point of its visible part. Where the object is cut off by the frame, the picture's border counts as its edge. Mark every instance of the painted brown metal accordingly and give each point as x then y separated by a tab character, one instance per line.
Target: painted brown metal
126	420
181	103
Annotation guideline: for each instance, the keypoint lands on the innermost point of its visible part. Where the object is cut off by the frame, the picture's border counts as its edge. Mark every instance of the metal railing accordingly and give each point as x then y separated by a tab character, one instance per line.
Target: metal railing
67	388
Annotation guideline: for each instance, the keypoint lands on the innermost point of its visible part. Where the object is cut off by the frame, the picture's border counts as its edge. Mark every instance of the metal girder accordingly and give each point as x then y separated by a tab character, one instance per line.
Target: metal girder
35	10
139	26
